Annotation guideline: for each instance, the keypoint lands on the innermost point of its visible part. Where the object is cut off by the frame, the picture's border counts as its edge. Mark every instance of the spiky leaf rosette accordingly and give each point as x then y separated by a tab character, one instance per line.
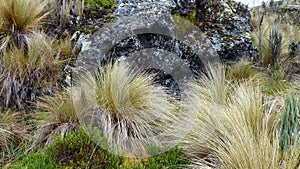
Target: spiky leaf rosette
23	77
126	107
18	18
289	127
275	44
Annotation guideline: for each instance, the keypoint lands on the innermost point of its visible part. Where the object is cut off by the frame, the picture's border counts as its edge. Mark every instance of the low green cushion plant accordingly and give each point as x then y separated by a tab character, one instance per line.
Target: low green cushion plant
104	3
37	160
174	158
77	150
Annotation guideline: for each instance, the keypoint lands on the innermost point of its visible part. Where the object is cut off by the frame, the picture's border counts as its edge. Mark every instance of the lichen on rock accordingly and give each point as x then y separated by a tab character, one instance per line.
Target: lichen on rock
227	24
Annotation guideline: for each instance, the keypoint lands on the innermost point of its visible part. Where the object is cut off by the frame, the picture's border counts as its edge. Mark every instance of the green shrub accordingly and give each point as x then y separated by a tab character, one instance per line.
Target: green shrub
174	158
76	150
37	160
79	151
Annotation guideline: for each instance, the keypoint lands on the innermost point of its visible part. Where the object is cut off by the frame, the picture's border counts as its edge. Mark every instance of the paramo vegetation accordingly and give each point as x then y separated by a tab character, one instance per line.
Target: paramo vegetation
247	113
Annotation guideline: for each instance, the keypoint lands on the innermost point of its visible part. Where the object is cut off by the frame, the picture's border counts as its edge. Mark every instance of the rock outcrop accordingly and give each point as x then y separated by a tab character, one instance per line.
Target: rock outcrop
148	36
227	24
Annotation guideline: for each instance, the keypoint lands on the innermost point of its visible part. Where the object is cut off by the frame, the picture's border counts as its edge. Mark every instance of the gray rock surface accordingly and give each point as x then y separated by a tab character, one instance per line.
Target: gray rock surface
147	35
128	7
227	24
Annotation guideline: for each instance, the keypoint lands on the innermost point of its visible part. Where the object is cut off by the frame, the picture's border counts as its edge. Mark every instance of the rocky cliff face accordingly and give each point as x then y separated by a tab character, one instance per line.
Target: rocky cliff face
227	25
148	36
225	22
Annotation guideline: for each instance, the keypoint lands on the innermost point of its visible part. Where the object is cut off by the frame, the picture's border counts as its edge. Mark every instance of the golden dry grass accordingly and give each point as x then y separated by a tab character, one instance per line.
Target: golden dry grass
240	131
18	18
244	70
55	115
126	106
13	132
26	76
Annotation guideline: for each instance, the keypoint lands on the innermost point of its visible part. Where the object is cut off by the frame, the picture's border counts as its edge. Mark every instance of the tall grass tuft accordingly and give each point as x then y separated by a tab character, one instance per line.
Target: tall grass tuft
13	132
18	18
237	133
23	77
54	115
243	71
213	85
130	109
208	94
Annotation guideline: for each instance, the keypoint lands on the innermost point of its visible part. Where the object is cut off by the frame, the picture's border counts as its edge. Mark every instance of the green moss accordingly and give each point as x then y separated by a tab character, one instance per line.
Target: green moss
174	158
77	150
37	160
104	3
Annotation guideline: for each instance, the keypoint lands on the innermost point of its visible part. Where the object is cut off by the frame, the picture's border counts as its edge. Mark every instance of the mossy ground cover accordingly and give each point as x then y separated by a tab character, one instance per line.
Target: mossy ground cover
104	3
77	150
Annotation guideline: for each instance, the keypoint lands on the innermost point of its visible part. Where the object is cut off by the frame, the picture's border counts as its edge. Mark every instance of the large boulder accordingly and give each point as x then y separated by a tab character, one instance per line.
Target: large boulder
149	36
144	24
227	24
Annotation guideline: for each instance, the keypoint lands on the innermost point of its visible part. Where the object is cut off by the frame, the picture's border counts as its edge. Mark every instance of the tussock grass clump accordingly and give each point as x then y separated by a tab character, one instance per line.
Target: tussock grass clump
18	18
23	77
212	86
130	109
278	80
243	71
237	133
54	115
13	132
208	94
